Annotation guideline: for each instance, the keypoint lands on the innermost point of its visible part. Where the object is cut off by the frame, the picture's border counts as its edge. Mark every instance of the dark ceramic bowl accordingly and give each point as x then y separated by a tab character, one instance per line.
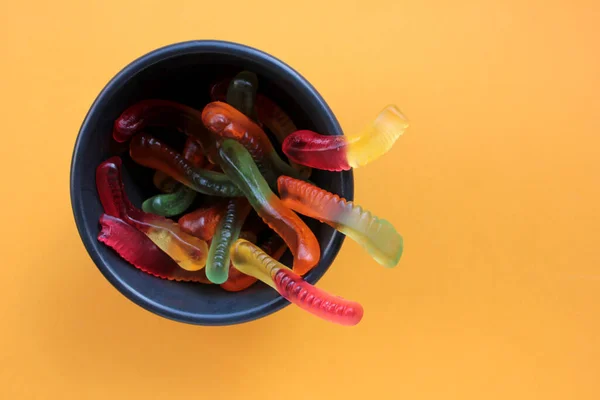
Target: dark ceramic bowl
182	72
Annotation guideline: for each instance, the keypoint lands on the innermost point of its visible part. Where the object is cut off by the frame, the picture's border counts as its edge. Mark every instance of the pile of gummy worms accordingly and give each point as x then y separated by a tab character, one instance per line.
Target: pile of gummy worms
250	219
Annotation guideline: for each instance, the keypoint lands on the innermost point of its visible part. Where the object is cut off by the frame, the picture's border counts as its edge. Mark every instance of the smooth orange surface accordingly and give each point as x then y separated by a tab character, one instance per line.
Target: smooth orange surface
495	188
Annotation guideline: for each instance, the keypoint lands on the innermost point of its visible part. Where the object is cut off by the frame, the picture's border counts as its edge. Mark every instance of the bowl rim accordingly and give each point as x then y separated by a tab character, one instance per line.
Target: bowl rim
129	71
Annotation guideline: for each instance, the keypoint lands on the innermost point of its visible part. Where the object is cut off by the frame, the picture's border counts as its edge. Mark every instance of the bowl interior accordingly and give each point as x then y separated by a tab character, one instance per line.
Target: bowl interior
184	73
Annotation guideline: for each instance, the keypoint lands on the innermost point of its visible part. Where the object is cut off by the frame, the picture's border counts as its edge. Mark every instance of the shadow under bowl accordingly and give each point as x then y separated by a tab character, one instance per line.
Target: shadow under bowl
183	72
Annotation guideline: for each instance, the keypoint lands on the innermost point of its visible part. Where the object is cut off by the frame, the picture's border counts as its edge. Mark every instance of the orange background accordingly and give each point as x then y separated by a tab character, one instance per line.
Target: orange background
495	189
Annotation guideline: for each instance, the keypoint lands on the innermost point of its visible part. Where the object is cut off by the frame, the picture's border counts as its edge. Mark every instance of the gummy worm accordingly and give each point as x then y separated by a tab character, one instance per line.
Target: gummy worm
250	260
225	121
203	222
187	251
376	235
241	93
267	113
239	166
340	153
137	249
228	231
237	281
163	113
151	152
168	205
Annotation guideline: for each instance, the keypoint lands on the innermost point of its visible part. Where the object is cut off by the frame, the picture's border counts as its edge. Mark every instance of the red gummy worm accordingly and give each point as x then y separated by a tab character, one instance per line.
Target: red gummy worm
153	112
317	301
115	202
203	222
317	151
113	198
137	249
163	113
110	188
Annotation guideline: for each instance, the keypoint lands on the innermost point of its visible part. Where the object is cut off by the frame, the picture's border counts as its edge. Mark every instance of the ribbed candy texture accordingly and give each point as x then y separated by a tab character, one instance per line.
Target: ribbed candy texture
137	249
152	153
171	204
228	231
377	138
239	166
188	251
226	122
274	246
251	260
317	151
376	235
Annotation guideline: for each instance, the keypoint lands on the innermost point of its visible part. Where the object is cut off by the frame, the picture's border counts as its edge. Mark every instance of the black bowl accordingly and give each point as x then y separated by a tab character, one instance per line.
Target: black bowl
182	72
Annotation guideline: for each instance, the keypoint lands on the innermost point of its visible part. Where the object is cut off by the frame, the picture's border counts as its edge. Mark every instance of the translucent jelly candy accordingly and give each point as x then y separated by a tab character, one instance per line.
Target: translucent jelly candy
241	93
170	204
239	166
151	152
339	153
278	122
237	281
226	122
187	251
203	222
163	113
376	235
252	261
175	203
137	249
228	231
192	151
